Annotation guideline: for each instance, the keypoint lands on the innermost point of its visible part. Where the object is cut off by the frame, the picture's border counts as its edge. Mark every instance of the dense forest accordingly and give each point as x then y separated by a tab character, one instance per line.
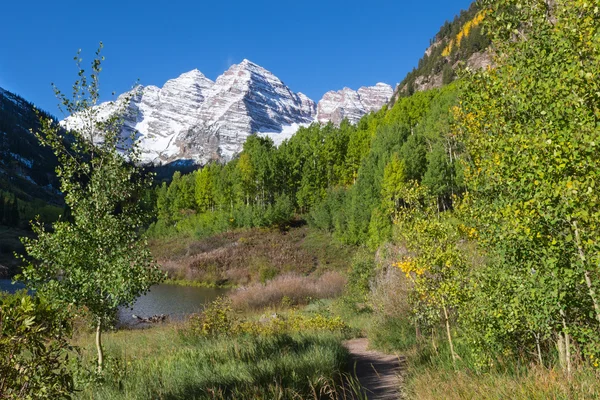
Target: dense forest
344	179
488	186
28	182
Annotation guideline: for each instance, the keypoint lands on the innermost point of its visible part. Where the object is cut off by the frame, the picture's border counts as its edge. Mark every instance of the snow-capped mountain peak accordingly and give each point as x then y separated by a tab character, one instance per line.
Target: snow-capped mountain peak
352	105
193	118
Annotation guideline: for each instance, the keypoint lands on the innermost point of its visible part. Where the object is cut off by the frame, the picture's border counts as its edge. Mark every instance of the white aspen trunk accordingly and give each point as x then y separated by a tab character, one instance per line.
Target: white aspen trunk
588	279
567	343
560	344
449	334
539	349
99	345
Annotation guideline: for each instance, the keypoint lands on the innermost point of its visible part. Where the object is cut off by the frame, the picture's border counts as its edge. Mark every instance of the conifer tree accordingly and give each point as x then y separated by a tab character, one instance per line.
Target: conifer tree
1	210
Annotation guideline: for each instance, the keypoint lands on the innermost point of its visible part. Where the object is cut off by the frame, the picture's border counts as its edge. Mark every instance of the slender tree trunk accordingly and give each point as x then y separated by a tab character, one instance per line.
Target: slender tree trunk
539	349
588	279
567	343
560	344
99	345
449	334
568	352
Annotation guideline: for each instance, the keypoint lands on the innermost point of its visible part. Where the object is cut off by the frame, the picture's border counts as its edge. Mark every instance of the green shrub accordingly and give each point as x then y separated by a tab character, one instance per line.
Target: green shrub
217	319
293	323
267	272
34	351
362	272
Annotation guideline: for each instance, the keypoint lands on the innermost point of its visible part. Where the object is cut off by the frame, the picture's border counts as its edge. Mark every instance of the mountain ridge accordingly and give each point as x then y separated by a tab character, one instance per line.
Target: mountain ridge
192	118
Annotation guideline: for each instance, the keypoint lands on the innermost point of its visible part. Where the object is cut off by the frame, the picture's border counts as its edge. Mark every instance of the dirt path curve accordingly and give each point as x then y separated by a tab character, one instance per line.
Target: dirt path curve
378	373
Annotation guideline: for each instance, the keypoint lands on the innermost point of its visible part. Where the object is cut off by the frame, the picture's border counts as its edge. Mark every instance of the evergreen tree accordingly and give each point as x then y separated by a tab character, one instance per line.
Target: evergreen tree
2	222
14	213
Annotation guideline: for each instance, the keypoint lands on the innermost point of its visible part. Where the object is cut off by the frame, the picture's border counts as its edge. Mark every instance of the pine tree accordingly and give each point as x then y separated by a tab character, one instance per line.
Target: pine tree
7	212
14	213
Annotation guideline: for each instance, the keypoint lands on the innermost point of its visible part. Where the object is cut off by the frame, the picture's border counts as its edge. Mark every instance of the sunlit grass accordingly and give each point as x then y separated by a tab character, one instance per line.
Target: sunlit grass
162	363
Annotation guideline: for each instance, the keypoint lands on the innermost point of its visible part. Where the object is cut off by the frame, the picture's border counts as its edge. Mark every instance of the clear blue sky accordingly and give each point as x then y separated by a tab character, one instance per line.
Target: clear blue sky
313	46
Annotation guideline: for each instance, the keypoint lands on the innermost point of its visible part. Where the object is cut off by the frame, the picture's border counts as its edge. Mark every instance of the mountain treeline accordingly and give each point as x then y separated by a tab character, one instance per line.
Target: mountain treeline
488	188
28	183
344	179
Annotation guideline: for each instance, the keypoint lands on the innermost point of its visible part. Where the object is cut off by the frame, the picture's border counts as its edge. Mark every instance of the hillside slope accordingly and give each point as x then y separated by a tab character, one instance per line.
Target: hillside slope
26	168
458	43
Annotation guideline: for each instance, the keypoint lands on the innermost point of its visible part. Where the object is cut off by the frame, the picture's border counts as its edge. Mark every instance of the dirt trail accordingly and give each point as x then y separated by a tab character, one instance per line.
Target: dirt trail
377	372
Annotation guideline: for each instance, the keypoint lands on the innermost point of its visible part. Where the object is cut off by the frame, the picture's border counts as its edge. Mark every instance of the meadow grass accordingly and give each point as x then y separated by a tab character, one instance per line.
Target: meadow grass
164	363
431	374
533	382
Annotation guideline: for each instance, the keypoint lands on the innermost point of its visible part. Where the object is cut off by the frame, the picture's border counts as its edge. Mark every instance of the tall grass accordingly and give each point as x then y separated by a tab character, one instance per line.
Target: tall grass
291	289
431	374
162	363
533	382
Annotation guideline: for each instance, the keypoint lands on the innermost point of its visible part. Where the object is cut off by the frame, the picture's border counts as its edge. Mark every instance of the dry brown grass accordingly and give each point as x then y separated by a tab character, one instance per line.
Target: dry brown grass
390	288
390	293
534	383
288	290
246	256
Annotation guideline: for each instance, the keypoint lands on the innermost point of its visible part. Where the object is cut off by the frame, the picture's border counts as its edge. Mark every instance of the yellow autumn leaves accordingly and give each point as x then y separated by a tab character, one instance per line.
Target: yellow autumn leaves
464	32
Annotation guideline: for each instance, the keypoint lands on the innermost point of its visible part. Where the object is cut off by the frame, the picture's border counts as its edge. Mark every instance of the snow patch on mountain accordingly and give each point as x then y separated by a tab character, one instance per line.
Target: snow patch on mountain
286	133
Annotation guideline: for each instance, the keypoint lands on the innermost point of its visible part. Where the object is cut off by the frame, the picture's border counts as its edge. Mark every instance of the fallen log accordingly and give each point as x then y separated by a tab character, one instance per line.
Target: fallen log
150	320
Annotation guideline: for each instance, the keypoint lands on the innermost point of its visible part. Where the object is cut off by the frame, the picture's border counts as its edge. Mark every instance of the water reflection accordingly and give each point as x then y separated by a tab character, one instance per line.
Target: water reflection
175	301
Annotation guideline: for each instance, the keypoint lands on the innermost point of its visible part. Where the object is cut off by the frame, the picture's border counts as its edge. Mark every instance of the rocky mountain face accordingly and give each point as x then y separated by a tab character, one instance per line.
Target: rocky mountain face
459	44
352	105
246	99
194	119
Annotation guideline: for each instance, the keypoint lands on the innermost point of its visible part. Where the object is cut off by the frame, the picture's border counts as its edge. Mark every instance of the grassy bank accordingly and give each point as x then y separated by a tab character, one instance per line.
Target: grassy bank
166	363
247	256
199	284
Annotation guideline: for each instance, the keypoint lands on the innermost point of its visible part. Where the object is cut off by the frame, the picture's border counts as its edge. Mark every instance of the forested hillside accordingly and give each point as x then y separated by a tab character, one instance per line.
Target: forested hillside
27	176
28	183
347	180
459	43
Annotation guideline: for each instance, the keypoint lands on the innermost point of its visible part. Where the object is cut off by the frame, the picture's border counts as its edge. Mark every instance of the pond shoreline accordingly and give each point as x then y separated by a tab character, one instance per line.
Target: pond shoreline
199	284
177	302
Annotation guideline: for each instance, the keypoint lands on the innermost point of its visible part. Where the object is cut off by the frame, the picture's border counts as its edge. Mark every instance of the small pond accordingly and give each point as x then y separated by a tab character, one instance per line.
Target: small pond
173	300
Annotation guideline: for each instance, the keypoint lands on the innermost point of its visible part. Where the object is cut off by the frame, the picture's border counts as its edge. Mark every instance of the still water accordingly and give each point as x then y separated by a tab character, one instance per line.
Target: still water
6	285
175	301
